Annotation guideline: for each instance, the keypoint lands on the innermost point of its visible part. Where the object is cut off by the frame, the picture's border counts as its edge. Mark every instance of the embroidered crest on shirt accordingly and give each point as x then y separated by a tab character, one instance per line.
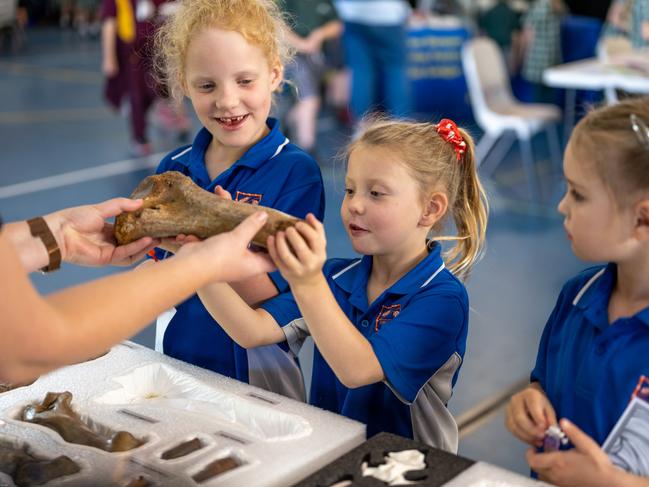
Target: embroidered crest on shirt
386	314
642	389
251	198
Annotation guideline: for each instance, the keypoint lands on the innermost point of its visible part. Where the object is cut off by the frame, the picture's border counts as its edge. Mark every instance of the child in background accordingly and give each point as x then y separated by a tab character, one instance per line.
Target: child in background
390	328
593	353
126	35
542	41
314	22
227	57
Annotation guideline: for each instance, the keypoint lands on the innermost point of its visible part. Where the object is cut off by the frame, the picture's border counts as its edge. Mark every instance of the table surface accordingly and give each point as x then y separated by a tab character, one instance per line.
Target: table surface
629	72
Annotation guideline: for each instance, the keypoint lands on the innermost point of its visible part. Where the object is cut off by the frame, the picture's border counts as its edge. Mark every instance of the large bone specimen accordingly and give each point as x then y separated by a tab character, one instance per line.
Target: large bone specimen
174	205
55	412
27	469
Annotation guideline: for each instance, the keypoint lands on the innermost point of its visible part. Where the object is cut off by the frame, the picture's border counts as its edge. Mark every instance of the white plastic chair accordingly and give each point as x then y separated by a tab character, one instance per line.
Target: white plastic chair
497	112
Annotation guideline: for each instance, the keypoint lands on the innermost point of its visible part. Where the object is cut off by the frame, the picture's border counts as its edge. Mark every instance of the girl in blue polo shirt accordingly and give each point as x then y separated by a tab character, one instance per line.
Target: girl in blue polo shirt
390	328
593	358
228	57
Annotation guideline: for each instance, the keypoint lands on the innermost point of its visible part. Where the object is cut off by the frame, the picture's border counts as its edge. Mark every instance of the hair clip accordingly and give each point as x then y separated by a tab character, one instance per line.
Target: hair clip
448	130
640	129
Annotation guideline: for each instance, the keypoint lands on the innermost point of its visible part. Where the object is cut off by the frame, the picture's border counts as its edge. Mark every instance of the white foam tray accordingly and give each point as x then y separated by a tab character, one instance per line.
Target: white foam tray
133	388
482	474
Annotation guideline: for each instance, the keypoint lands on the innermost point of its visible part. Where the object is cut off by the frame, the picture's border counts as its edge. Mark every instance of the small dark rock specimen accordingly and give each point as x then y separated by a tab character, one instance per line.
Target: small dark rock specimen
183	449
217	467
27	469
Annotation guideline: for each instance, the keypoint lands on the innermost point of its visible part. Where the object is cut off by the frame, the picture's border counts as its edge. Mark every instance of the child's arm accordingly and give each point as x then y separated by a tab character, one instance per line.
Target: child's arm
247	326
109	66
317	37
345	349
586	464
529	414
255	290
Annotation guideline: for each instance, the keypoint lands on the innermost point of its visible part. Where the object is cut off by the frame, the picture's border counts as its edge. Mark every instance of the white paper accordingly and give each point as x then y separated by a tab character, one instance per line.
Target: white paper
627	444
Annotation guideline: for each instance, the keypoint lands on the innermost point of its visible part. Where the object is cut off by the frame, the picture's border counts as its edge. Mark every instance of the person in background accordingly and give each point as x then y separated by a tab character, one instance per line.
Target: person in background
640	24
228	58
542	44
503	24
618	19
126	35
599	328
374	42
389	328
43	333
313	23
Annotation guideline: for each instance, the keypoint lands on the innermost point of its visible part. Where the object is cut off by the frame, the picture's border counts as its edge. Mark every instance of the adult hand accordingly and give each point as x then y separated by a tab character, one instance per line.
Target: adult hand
586	464
529	414
228	255
86	238
300	251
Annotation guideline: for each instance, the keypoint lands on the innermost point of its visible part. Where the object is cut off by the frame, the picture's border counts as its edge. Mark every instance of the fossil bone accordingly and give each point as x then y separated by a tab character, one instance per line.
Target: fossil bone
27	469
174	205
55	412
182	449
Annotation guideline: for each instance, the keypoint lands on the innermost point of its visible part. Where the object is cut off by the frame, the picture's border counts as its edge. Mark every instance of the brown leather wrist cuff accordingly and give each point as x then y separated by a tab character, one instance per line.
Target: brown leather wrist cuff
38	228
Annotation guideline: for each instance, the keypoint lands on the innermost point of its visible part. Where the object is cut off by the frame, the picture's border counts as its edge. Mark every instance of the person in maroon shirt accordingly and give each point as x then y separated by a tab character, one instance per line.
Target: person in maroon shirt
128	27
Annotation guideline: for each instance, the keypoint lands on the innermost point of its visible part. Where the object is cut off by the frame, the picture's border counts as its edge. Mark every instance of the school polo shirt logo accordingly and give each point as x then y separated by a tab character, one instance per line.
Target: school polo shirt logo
386	314
251	198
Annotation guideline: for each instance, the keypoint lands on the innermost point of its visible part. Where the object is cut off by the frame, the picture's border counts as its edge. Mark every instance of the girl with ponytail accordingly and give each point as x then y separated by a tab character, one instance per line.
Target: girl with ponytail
390	327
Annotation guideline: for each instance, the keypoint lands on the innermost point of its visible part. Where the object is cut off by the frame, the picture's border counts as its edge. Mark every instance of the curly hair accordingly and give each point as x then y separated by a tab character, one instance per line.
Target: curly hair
260	22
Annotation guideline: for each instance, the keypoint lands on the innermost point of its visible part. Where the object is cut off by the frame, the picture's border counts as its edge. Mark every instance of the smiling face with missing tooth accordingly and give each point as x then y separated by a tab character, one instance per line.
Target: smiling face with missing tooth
230	83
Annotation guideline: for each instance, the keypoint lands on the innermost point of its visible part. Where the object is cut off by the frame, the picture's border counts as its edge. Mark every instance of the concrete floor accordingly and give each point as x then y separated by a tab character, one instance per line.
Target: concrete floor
61	147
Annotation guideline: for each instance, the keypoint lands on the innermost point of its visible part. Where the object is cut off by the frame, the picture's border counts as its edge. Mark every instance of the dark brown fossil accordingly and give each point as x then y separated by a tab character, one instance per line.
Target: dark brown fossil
28	469
182	449
56	413
174	205
217	467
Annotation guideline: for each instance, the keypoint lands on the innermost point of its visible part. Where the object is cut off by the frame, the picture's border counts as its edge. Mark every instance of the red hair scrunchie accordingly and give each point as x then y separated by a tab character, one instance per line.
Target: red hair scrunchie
447	129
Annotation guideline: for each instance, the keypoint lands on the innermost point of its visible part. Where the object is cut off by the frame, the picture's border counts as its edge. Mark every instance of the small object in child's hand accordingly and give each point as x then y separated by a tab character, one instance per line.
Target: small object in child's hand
554	438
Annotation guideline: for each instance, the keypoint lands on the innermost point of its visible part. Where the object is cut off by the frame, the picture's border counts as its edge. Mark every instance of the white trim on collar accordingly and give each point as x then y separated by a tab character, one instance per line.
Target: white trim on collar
439	269
279	149
338	274
590	282
181	153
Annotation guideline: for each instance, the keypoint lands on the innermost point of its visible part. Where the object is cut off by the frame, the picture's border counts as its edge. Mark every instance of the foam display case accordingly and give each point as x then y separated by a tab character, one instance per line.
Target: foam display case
266	439
441	468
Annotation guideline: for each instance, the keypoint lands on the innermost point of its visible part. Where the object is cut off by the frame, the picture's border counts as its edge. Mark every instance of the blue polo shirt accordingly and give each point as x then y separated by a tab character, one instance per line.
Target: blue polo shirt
589	368
418	330
272	173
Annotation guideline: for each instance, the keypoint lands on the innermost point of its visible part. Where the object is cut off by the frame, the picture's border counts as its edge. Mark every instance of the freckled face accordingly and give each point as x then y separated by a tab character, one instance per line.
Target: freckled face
230	83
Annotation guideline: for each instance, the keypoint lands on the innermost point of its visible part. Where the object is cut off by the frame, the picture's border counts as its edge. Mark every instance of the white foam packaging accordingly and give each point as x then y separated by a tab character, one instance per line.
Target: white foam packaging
277	440
482	474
